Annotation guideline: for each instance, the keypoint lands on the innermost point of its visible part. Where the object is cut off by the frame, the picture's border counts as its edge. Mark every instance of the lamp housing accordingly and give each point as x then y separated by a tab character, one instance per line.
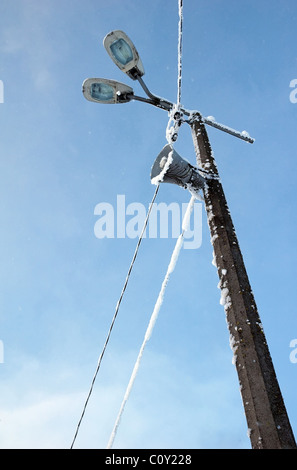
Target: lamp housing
124	54
102	90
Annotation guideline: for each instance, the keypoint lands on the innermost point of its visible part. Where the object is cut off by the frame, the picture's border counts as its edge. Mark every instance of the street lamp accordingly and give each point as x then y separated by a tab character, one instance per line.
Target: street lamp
101	90
124	54
267	419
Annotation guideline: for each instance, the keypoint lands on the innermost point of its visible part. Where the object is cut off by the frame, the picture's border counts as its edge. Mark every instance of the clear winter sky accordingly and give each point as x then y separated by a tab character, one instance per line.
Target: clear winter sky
62	155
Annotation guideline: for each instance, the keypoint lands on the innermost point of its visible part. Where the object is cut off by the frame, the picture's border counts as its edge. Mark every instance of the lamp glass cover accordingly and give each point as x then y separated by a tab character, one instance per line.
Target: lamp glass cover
121	51
101	91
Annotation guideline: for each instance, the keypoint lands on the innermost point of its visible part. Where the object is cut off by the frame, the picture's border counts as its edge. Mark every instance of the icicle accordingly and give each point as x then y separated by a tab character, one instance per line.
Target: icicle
170	269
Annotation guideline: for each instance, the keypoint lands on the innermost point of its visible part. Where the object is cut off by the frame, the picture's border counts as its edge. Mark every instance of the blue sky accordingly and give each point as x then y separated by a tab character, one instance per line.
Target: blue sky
62	155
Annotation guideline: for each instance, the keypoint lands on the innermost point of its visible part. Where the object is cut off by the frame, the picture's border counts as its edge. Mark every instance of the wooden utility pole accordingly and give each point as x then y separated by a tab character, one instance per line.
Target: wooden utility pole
267	419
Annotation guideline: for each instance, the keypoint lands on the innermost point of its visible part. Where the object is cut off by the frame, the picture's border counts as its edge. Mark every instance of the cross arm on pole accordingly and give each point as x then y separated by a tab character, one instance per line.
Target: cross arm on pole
168	105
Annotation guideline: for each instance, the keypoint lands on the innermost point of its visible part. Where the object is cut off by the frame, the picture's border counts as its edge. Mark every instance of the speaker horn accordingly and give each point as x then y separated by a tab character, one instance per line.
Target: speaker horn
170	167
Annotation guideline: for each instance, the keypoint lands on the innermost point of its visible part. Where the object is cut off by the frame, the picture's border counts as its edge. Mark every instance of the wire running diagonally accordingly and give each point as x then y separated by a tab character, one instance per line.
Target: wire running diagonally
116	313
170	269
171	135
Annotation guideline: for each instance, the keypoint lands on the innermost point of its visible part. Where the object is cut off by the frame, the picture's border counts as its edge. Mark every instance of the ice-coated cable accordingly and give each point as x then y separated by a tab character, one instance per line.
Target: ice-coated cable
170	269
116	313
180	38
174	122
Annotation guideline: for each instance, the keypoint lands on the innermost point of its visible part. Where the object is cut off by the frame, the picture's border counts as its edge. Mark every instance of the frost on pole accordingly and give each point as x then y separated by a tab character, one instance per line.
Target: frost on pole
267	419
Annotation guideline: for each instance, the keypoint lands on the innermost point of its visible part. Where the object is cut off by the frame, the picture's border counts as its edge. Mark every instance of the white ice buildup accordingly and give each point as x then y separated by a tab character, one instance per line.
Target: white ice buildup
245	134
165	165
170	269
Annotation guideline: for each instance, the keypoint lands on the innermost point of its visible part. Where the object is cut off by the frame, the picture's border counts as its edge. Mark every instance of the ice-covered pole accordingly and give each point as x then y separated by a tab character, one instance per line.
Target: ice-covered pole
267	419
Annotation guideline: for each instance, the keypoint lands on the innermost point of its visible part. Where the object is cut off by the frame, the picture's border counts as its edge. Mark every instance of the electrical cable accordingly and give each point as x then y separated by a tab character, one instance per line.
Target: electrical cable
115	314
171	135
180	36
175	115
170	269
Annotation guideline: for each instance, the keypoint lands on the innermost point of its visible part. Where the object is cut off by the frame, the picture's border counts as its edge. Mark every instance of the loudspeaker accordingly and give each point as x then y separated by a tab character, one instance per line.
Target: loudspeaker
170	167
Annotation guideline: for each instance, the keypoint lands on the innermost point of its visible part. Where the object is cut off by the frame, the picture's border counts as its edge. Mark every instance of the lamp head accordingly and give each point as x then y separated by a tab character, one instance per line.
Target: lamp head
101	90
124	54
